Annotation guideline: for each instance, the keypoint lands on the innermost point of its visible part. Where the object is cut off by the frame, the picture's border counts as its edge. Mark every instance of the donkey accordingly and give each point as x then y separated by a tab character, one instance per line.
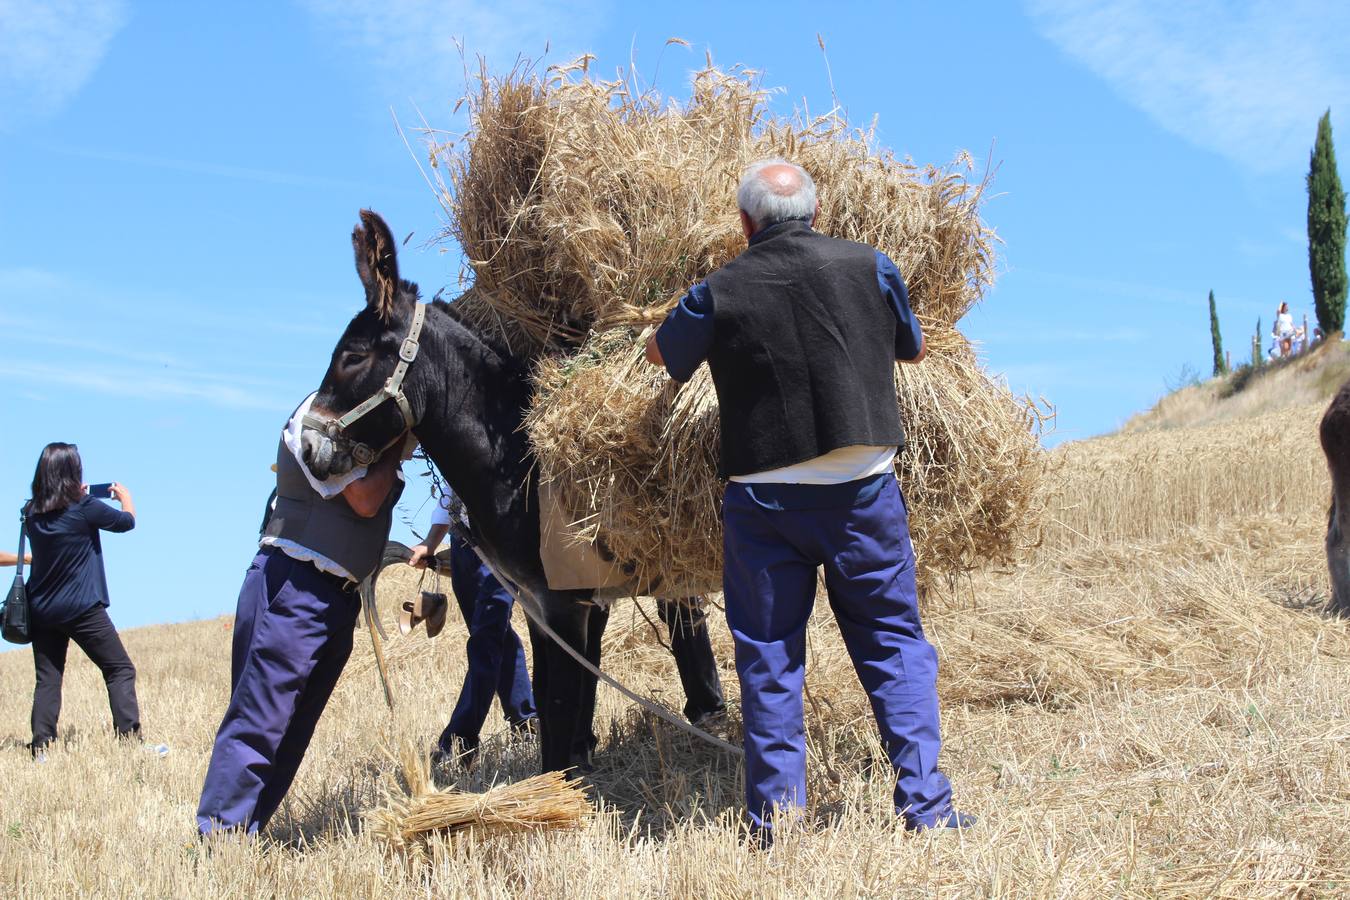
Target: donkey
464	398
1335	434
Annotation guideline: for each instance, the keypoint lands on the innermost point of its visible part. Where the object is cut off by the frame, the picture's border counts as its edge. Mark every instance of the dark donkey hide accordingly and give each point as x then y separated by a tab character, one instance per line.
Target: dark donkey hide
469	399
1334	432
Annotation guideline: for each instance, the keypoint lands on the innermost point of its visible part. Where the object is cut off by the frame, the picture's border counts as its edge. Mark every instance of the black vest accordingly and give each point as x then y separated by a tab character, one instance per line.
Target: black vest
330	528
803	353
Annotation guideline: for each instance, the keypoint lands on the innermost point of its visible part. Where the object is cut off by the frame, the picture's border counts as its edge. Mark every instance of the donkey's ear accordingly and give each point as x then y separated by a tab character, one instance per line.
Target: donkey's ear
376	262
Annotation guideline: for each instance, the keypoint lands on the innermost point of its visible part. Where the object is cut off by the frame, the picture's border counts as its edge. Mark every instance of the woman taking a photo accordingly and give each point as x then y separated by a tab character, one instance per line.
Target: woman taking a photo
68	591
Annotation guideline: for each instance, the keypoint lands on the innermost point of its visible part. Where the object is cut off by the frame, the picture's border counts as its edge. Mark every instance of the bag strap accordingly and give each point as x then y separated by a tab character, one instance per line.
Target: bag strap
23	538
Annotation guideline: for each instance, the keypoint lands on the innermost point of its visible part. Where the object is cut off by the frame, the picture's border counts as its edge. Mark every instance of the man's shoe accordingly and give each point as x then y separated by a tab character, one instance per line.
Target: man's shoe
711	720
459	752
953	819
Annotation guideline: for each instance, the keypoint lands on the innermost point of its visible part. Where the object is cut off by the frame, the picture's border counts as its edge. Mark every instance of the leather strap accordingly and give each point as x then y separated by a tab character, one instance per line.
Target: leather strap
393	387
23	537
392	390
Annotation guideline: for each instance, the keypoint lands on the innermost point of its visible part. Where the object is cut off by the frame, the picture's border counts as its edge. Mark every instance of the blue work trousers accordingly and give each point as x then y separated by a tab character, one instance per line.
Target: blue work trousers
775	538
292	636
495	654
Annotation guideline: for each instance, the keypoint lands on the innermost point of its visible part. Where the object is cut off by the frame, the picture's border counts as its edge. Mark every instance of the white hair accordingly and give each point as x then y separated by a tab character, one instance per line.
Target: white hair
762	201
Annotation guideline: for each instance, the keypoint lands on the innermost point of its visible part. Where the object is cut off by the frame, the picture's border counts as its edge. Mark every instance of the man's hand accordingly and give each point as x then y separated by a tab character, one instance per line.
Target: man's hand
366	495
654	352
923	351
422	553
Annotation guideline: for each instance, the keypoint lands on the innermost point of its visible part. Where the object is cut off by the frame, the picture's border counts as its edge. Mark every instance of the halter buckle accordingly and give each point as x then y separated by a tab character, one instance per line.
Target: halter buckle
408	352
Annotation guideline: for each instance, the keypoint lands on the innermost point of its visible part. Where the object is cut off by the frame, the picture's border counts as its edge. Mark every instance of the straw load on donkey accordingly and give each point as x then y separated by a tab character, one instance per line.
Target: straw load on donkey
585	210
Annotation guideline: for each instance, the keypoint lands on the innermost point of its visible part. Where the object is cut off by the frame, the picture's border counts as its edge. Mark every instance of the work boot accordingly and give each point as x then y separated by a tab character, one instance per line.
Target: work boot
460	750
525	728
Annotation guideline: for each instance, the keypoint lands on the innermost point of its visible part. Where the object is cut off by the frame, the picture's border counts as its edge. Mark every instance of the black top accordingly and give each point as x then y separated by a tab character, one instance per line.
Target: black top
803	353
67	577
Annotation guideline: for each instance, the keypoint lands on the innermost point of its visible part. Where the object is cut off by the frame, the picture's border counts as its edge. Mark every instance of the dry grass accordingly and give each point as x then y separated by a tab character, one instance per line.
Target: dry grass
1147	485
1143	709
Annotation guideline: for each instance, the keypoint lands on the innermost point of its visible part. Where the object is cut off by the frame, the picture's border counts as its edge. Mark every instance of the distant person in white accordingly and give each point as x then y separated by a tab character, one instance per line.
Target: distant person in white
1284	329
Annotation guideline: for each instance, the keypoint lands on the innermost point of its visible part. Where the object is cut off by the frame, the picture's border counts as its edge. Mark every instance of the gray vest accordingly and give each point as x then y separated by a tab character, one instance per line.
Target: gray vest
330	528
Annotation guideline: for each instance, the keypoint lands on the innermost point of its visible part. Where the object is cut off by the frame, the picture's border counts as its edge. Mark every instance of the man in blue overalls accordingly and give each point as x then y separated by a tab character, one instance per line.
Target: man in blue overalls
293	627
494	653
801	333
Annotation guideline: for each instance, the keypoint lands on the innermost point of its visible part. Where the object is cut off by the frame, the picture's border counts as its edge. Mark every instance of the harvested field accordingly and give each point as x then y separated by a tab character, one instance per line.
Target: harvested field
1141	709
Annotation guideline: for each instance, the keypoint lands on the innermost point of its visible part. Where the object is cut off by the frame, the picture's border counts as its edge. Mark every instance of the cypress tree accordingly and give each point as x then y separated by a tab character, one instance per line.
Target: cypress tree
1220	367
1326	231
1256	344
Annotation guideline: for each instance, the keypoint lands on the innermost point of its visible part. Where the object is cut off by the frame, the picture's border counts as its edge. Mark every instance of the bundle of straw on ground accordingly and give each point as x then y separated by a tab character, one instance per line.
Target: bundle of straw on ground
586	207
421	811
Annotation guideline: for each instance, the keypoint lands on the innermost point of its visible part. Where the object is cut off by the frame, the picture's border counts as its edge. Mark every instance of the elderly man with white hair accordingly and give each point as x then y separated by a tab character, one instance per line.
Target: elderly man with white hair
801	333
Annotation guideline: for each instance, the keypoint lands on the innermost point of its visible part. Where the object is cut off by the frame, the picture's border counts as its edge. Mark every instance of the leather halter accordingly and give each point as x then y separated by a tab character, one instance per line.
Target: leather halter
393	390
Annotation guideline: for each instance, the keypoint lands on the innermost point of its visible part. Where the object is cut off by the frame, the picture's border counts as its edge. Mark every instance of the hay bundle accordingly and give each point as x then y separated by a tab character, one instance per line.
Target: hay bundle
410	818
585	209
581	205
618	438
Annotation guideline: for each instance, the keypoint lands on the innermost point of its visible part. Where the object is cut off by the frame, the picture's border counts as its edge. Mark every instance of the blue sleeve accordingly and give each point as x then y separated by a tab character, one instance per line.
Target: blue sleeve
686	336
908	334
101	515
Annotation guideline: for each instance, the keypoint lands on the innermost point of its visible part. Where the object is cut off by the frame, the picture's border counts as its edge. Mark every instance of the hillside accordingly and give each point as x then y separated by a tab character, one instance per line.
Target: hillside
1151	705
1310	378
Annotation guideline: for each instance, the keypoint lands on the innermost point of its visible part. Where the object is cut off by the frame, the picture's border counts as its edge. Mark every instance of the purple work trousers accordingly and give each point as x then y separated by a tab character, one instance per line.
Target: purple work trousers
776	536
494	652
292	636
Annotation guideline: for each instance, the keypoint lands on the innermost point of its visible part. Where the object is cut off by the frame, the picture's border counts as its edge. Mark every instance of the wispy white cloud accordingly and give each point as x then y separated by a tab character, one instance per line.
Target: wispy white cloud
1244	79
89	339
138	382
49	50
217	170
413	43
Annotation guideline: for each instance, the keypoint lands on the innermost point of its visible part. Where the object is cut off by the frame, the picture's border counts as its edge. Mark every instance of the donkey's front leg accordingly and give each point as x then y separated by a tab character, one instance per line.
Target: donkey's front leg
560	684
584	739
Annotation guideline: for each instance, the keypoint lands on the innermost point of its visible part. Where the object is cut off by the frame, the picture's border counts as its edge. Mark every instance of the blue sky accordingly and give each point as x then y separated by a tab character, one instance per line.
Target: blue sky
178	182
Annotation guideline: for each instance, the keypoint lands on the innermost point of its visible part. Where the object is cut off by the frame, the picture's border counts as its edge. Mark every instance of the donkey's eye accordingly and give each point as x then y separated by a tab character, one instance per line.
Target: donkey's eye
352	359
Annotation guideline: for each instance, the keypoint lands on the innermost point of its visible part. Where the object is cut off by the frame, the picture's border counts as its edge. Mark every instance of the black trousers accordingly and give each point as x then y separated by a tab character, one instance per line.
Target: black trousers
94	633
687	623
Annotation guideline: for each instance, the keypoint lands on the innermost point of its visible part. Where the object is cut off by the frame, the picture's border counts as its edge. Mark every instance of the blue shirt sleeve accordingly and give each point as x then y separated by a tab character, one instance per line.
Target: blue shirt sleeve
908	334
101	515
686	336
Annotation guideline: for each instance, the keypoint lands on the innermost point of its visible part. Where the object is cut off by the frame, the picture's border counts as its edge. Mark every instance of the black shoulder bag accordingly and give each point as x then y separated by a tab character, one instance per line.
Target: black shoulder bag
14	625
